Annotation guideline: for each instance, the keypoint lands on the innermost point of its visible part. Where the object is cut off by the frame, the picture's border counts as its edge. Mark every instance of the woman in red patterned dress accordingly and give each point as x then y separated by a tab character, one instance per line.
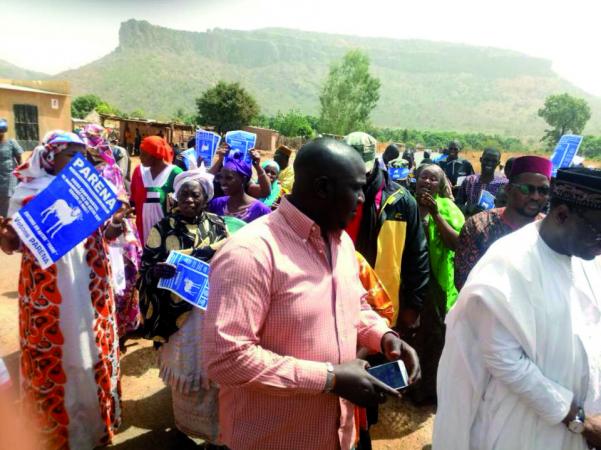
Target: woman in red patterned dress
69	344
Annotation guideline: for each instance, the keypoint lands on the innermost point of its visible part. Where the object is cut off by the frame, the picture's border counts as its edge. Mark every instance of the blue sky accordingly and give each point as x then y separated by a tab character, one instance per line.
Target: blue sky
55	35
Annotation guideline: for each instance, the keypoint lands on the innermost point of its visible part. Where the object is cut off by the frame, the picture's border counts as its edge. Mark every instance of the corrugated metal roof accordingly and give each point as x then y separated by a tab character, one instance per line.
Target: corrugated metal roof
14	87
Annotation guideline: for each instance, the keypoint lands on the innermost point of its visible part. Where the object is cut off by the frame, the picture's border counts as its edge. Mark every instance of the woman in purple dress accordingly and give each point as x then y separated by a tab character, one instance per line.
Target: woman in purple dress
235	176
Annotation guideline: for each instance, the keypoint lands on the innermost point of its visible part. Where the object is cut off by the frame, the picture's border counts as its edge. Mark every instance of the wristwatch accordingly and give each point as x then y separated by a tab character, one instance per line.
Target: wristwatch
576	425
331	379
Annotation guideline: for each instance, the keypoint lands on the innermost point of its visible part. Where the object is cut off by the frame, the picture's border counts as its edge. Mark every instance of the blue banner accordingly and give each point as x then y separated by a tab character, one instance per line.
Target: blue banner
487	200
243	141
564	153
206	145
71	208
191	280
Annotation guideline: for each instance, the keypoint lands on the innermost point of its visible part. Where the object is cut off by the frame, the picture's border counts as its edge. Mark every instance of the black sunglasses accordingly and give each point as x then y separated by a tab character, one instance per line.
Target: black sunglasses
528	189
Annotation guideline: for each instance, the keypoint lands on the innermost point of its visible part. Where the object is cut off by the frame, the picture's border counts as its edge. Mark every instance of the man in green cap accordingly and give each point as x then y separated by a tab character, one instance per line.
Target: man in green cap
386	230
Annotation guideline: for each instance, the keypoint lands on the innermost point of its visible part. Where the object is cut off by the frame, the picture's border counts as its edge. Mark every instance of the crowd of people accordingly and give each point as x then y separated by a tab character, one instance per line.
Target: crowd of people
324	261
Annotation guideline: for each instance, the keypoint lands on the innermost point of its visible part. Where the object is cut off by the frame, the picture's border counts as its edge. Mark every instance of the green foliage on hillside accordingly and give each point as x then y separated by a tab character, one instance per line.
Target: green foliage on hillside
291	124
84	104
227	106
439	139
10	71
591	147
349	95
424	85
565	114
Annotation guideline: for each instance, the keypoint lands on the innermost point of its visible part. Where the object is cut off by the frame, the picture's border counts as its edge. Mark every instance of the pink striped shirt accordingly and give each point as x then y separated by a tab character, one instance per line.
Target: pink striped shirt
278	311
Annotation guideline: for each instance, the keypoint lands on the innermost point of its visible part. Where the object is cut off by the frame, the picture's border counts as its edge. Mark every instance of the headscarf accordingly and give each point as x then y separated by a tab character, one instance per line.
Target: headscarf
41	162
157	146
444	186
271	163
200	175
276	189
101	155
99	150
234	161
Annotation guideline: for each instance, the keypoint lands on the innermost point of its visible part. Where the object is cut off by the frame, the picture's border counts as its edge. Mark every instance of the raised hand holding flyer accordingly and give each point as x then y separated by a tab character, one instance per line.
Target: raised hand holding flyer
565	151
243	141
206	145
74	205
191	280
487	200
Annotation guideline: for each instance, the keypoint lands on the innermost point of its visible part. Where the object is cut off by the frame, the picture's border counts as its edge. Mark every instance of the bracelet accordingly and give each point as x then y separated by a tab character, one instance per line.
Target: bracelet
331	379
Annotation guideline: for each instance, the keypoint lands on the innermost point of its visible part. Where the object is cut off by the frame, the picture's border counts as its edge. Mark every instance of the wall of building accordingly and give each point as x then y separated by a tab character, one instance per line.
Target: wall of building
49	118
266	139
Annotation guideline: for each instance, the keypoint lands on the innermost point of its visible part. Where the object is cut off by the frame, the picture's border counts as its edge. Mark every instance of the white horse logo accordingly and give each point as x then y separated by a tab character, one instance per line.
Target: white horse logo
190	286
65	215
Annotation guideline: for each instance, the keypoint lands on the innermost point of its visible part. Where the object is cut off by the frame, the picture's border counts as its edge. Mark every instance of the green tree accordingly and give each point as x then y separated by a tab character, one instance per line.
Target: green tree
263	121
348	95
105	108
84	104
227	106
183	117
566	114
292	124
137	114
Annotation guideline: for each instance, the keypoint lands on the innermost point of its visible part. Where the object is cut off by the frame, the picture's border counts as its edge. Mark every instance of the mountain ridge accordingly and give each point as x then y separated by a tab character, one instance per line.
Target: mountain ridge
11	71
425	84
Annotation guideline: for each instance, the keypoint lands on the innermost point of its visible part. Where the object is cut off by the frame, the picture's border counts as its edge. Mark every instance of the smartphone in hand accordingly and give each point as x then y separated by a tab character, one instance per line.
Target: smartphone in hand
394	374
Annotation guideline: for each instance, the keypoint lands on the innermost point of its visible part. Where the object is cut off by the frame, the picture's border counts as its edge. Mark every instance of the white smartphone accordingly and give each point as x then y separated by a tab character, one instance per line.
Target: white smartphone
394	374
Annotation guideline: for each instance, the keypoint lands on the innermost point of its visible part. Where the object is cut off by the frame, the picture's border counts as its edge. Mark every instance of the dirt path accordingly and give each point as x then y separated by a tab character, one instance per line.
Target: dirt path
148	420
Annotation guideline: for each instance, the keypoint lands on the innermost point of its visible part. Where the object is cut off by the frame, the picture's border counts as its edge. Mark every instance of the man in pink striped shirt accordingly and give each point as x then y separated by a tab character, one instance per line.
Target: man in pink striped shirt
287	312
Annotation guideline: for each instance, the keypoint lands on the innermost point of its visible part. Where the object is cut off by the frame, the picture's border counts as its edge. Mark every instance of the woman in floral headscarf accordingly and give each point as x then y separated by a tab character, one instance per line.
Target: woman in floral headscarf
68	333
125	252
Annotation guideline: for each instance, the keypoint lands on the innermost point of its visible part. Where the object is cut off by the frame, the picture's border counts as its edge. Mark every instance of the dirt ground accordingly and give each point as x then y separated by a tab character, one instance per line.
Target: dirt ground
148	420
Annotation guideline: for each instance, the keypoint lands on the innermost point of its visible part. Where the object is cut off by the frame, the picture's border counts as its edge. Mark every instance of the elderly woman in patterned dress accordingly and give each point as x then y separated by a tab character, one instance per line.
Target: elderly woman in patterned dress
174	325
68	333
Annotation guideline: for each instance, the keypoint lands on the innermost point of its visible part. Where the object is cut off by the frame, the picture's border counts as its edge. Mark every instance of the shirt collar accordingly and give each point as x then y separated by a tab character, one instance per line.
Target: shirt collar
300	223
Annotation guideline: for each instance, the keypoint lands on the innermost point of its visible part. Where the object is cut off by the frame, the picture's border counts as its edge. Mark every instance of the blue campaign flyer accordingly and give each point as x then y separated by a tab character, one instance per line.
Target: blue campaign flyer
207	144
69	210
189	158
487	200
243	141
398	173
191	280
565	151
